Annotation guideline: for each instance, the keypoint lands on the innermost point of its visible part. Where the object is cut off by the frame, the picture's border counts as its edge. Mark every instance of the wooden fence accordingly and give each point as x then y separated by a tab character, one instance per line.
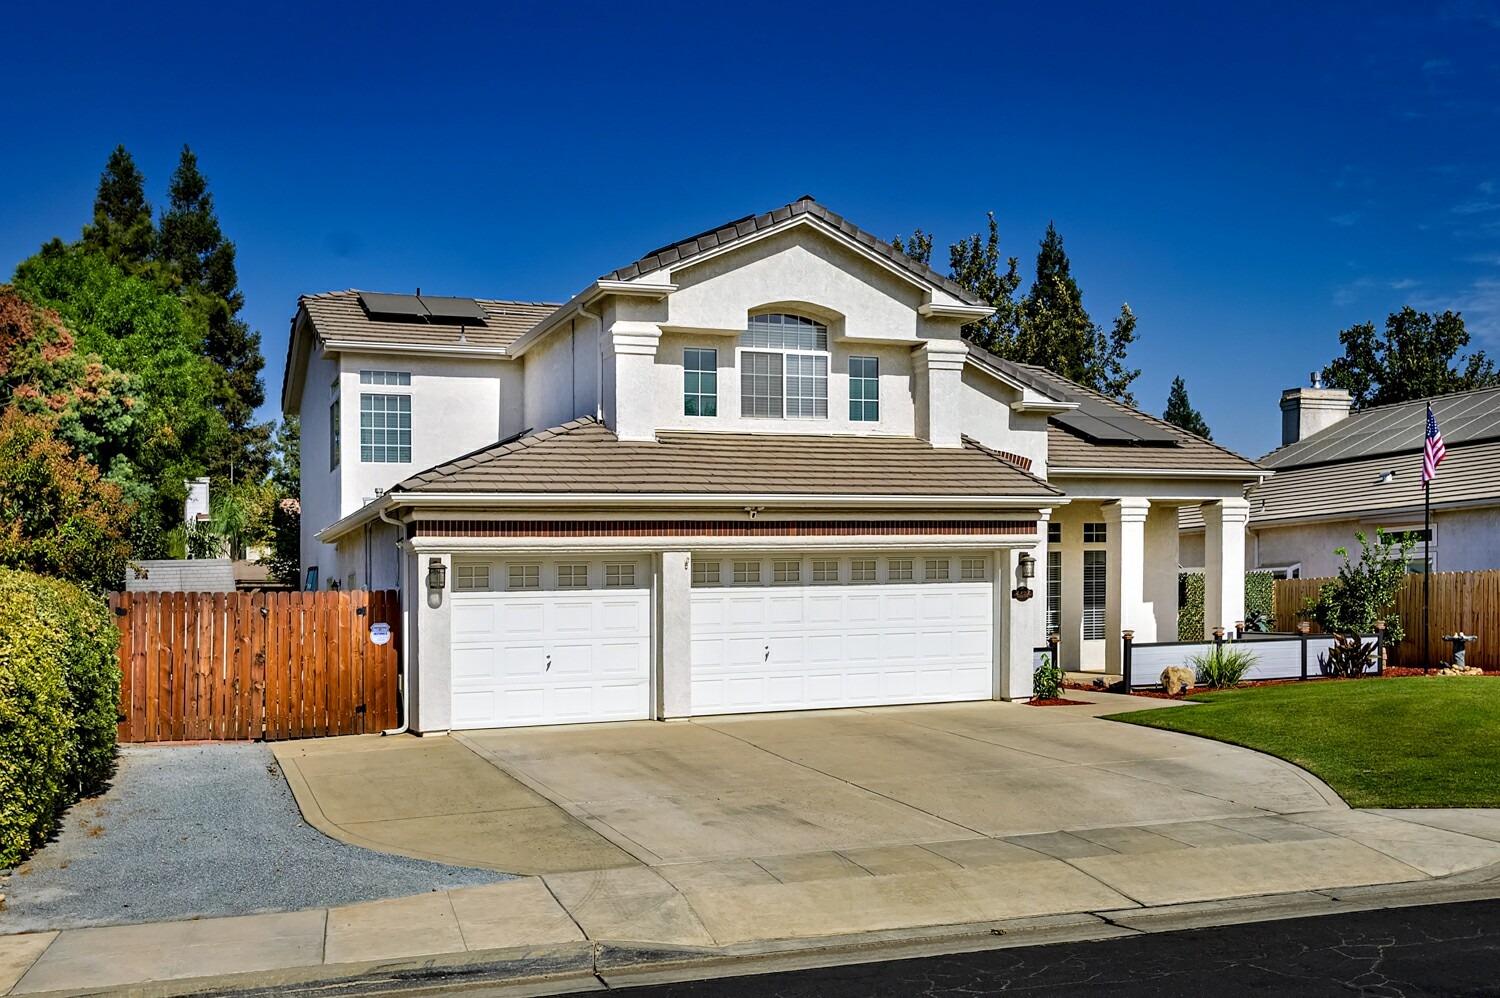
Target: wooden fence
1466	601
270	666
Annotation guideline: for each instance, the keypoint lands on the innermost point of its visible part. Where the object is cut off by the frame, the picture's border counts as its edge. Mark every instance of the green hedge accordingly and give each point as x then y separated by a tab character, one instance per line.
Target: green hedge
59	704
1260	596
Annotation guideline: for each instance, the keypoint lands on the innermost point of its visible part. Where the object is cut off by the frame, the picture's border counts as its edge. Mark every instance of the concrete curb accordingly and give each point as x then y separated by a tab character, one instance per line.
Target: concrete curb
601	964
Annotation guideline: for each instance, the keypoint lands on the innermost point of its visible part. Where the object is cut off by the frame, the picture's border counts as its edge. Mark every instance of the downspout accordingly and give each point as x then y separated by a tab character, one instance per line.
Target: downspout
405	718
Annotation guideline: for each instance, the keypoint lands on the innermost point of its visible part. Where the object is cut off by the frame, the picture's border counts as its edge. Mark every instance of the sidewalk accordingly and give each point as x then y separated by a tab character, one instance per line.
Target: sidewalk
579	928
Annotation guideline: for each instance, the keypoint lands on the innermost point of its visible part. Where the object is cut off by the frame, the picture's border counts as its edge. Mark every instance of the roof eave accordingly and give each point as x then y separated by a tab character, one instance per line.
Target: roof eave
1248	474
596	290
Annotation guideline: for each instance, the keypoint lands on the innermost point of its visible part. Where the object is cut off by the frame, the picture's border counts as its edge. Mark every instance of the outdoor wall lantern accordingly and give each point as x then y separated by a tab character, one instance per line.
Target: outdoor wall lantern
1027	571
437	581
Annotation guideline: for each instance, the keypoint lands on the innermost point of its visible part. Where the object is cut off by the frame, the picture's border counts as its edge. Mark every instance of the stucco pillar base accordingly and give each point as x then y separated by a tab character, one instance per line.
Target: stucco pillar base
429	672
632	346
1224	563
1018	625
674	620
1125	578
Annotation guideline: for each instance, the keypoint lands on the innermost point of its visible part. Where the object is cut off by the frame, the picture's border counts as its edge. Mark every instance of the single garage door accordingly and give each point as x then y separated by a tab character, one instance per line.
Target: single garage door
550	642
778	633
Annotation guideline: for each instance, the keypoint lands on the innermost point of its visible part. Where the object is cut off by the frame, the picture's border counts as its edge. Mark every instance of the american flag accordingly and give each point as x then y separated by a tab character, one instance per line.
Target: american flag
1433	454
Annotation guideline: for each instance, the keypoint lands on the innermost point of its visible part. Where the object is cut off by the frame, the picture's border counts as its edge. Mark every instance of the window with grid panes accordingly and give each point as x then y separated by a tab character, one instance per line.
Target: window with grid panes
524	577
396	378
384	428
786	571
937	570
471	578
862	570
1095	533
864	389
899	570
747	573
825	570
700	382
619	576
784	368
1054	533
971	570
705	573
572	576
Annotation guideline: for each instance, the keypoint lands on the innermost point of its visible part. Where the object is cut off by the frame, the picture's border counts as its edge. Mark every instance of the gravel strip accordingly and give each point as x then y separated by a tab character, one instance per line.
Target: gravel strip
201	830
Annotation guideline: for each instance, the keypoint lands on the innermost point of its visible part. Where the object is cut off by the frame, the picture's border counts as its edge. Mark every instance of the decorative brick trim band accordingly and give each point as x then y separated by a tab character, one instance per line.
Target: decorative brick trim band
1024	463
714	528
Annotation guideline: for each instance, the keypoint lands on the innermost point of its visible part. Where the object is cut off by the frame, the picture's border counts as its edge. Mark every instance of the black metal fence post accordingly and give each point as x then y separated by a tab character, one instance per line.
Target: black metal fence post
1054	644
1127	638
1302	629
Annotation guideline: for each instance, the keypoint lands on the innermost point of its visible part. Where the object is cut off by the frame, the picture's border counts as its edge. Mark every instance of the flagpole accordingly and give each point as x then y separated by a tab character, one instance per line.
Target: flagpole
1426	557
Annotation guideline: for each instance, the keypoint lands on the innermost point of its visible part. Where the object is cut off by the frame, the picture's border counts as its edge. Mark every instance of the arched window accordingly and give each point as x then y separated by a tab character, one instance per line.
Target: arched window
784	367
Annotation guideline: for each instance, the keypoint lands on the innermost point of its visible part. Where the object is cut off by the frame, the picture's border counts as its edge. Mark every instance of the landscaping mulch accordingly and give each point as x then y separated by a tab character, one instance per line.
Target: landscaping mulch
1057	702
1392	670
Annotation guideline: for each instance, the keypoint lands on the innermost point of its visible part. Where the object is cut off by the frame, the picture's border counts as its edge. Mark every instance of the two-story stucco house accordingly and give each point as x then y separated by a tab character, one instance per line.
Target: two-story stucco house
757	469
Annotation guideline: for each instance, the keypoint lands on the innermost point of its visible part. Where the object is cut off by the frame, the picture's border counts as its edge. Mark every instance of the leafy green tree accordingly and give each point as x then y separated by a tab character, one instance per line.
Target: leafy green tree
199	263
918	247
57	517
1417	356
975	264
121	230
1057	333
1365	591
1180	411
286	457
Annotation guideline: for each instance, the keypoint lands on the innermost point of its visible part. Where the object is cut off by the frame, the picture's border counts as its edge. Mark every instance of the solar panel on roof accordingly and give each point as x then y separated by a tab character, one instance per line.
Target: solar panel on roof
395	306
1102	424
443	309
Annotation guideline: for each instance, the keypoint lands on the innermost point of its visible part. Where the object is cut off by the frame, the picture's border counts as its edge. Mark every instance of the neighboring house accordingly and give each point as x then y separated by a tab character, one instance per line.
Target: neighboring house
757	469
1338	473
197	575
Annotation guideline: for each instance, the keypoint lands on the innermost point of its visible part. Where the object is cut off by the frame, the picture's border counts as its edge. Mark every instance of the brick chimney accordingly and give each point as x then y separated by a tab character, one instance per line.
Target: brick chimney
1305	411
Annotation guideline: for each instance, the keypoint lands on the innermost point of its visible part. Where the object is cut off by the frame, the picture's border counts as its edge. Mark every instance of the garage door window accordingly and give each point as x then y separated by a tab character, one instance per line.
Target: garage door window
619	576
899	570
524	577
747	573
971	570
471	578
705	573
572	576
786	571
938	570
862	570
825	571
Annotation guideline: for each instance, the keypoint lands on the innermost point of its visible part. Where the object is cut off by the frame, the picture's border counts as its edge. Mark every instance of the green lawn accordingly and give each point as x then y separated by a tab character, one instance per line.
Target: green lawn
1415	742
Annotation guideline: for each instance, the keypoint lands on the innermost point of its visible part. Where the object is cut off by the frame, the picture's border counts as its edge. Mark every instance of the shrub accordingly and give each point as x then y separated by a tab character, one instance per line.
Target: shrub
1222	667
1190	596
59	701
1348	658
1260	601
1046	682
1365	590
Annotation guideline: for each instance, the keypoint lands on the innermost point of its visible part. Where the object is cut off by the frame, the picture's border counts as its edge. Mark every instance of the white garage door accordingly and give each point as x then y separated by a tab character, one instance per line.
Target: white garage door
793	634
551	642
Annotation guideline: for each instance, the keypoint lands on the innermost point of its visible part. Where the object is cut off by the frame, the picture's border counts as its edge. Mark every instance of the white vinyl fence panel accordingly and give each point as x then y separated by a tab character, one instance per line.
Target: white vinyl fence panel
1277	657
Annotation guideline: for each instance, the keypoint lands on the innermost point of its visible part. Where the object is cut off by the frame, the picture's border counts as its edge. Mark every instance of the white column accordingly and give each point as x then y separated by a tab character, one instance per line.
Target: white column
629	405
937	372
1125	578
674	609
1162	564
1018	625
430	670
1224	563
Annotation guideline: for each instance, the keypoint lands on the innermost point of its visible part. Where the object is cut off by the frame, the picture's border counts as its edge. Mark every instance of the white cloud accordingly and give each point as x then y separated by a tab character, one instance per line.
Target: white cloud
1347	219
1404	283
1477	207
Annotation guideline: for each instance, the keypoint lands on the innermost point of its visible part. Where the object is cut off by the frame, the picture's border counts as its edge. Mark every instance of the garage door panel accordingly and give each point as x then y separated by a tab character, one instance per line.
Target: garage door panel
473	665
472	619
851	645
571	616
520	616
472	706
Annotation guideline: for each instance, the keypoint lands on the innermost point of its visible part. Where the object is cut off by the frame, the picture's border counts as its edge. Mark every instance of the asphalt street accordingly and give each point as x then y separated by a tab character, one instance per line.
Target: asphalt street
1447	950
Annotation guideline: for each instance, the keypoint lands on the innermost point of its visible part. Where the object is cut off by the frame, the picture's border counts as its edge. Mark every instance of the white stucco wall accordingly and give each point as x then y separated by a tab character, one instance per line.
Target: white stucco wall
1463	541
320	485
560	375
988	418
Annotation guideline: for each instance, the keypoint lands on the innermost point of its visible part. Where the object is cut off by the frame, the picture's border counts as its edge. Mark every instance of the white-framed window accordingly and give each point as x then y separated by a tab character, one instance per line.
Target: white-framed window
1054	533
864	389
620	576
471	578
1054	592
1095	533
784	368
825	570
972	570
385	378
937	570
898	570
572	576
523	577
384	428
705	573
1095	587
786	571
862	570
335	433
700	381
747	573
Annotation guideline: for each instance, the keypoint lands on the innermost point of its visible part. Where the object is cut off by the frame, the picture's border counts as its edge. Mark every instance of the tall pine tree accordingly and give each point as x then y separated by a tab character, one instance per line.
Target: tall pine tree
1180	411
974	264
122	230
198	261
918	247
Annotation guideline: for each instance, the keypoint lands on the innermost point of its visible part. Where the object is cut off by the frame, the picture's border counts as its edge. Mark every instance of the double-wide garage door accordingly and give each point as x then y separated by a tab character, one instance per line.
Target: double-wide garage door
565	640
800	633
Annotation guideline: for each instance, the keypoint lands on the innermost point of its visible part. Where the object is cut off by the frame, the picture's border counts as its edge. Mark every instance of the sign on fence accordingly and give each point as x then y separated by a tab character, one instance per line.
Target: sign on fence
272	666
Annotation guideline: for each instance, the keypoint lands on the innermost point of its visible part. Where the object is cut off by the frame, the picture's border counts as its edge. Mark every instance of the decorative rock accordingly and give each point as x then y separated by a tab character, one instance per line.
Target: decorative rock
1461	670
1177	679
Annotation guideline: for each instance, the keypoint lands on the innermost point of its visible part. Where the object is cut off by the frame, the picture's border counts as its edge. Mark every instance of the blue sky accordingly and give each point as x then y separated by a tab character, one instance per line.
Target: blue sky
1250	183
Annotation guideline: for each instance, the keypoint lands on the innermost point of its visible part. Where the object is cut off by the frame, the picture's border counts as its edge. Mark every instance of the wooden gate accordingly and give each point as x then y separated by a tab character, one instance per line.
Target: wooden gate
271	666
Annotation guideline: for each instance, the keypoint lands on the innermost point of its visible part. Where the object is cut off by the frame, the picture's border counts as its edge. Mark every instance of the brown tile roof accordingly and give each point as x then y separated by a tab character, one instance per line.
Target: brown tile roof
1352	489
686	249
1464	417
585	456
1069	450
338	315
